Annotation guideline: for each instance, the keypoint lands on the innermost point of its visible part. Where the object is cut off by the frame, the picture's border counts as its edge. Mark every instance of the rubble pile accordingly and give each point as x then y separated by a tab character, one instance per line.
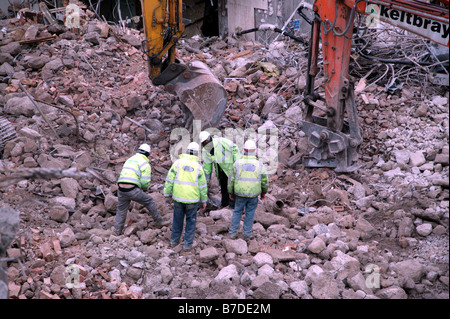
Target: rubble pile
379	233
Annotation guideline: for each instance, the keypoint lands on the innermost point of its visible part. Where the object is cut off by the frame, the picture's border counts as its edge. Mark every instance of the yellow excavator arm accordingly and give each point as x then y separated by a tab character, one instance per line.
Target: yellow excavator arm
193	83
163	27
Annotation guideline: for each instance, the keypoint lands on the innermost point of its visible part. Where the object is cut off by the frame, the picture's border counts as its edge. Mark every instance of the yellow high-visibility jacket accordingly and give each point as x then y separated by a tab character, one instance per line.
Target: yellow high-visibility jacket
248	178
186	181
225	154
136	170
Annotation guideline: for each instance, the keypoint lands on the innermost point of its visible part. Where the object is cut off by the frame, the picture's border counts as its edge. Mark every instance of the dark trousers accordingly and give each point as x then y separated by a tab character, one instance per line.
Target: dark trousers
137	195
182	211
223	182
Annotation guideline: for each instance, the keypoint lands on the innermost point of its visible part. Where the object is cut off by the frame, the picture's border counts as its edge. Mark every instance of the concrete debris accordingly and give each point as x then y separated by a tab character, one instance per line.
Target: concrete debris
381	232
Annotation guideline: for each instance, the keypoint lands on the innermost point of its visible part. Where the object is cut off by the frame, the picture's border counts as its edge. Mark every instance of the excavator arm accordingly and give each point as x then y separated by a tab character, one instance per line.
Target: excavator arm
163	28
336	137
193	82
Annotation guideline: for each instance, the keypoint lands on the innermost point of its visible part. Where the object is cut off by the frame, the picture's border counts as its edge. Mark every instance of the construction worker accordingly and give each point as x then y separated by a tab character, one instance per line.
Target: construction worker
248	180
134	179
186	183
223	153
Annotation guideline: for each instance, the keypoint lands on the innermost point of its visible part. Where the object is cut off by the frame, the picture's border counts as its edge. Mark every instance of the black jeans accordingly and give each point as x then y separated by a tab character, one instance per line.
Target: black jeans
223	182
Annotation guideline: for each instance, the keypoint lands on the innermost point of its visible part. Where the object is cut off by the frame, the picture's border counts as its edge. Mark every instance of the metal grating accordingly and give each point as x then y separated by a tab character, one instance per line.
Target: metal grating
7	132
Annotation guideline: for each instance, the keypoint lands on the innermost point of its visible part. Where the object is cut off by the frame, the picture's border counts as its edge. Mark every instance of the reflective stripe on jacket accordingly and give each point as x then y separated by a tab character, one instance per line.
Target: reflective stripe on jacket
137	171
186	181
225	155
248	178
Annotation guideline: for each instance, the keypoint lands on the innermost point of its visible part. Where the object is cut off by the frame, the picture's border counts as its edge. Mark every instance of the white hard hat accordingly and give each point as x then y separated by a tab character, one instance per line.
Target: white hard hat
145	148
250	145
203	136
193	147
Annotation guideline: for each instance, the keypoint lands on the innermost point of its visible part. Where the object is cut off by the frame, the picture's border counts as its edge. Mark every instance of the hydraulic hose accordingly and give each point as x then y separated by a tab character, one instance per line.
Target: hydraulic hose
265	27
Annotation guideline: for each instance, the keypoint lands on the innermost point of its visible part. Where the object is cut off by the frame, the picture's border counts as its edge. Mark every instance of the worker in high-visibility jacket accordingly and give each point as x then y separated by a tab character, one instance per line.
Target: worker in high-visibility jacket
186	183
133	181
222	153
248	180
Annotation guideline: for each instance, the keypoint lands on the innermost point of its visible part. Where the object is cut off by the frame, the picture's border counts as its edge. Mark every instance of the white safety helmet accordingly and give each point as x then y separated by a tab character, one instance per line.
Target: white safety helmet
193	147
144	148
249	145
203	136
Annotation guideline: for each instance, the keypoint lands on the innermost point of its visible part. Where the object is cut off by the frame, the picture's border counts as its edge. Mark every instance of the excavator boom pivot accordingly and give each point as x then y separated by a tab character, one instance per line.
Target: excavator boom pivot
193	83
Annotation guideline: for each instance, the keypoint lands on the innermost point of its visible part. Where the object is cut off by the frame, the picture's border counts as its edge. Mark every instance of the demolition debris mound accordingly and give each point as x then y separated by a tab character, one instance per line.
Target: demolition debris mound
322	242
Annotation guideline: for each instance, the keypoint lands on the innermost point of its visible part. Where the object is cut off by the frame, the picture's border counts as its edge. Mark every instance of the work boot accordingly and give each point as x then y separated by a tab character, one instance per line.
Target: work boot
189	248
161	222
232	236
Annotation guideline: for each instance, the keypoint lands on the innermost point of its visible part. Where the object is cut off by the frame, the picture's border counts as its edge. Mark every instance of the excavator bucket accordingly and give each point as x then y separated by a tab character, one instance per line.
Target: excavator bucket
200	91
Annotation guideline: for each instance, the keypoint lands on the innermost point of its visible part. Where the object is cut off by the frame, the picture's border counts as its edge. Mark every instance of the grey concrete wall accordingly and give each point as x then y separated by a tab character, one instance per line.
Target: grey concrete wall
4	4
236	15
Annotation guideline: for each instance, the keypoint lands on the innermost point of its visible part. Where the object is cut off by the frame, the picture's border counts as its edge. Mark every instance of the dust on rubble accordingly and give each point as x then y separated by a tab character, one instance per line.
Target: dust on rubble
319	241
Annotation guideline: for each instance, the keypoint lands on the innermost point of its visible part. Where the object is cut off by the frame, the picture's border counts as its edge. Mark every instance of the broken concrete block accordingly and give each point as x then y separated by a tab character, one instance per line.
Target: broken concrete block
13	48
421	111
263	258
228	274
14	289
20	106
410	268
59	214
132	40
67	237
317	245
424	229
6	69
111	202
53	66
440	101
406	227
365	228
208	254
92	37
324	286
392	292
268	219
442	159
402	156
274	104
70	187
67	202
365	202
6	57
46	251
148	236
31	32
30	133
417	159
66	100
237	246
